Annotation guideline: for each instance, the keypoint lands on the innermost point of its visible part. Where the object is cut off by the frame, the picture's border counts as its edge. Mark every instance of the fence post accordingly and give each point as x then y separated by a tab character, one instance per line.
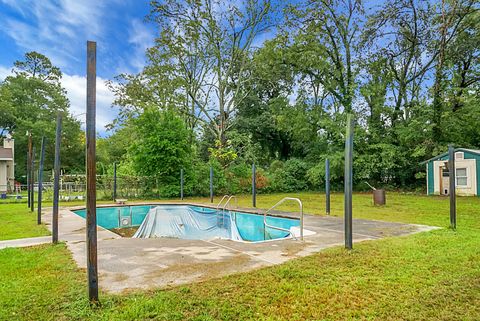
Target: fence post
254	186
327	186
181	183
91	174
211	184
56	178
40	182
114	181
32	174
28	179
29	169
452	178
348	182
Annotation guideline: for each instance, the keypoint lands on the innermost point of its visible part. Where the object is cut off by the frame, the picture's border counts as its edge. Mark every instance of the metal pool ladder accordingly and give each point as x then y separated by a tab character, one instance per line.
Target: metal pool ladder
280	228
225	207
218	208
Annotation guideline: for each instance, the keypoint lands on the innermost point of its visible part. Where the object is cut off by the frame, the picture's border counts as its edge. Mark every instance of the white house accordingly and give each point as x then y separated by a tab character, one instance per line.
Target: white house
7	165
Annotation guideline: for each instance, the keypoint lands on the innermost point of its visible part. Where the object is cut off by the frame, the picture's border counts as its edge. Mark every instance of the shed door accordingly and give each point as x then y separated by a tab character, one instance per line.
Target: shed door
444	181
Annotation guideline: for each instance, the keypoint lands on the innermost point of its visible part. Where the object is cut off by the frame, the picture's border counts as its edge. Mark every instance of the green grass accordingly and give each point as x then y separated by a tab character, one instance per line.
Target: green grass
427	276
16	221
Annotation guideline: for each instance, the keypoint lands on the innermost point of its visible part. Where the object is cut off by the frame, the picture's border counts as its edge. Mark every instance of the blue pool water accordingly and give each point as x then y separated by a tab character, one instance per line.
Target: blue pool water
250	227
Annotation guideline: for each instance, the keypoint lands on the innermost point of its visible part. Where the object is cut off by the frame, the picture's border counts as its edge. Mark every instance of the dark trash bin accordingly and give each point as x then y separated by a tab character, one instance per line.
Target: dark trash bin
379	197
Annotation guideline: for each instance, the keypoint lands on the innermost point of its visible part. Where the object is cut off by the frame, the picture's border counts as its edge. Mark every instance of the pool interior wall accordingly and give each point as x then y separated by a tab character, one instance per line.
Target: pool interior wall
250	226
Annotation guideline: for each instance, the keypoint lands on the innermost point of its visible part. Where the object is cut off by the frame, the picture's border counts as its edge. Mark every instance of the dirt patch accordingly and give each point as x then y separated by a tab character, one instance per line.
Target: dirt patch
125	231
293	248
202	270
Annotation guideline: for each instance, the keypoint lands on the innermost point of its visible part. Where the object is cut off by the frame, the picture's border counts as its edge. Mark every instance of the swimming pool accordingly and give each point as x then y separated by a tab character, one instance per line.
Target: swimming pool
192	222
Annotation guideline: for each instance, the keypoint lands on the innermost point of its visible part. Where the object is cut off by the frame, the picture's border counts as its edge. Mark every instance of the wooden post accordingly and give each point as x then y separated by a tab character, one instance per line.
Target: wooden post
181	184
254	186
452	188
327	186
211	184
56	178
29	169
32	178
91	174
348	182
114	181
40	182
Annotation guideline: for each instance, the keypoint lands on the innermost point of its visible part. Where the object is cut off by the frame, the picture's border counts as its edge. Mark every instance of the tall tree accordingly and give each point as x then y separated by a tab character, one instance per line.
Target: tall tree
33	96
325	46
207	44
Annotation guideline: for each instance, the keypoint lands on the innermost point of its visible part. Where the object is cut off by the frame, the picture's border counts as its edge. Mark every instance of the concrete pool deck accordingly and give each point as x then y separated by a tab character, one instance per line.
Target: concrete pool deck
127	264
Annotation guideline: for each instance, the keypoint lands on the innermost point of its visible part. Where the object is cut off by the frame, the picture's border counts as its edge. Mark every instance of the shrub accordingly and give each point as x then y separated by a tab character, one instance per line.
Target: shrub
290	177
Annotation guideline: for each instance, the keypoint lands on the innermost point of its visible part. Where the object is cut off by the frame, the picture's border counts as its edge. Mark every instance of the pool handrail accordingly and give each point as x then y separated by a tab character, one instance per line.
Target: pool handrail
225	206
220	203
280	228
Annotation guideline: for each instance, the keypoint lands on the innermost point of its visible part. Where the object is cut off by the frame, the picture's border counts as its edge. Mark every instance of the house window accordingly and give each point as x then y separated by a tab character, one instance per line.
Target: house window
461	176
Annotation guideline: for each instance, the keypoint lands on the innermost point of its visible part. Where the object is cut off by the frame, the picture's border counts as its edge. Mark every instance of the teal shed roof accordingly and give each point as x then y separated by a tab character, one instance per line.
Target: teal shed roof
472	151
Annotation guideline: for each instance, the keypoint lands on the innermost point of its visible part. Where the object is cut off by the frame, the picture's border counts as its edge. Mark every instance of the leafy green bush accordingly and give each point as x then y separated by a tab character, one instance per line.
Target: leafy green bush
289	176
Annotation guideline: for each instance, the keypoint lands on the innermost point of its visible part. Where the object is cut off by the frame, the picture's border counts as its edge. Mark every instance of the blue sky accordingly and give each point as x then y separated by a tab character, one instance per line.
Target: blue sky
59	29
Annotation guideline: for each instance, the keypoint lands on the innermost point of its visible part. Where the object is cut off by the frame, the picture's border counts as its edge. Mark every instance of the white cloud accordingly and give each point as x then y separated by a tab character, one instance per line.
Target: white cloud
76	87
55	27
141	37
4	72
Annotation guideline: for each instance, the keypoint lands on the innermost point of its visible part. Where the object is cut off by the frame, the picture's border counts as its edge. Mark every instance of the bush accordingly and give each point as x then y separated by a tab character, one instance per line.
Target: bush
289	176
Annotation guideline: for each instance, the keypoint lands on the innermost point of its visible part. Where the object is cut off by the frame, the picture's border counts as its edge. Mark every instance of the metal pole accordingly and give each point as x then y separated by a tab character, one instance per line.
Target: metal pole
348	182
40	182
28	179
327	186
91	174
114	181
211	184
56	178
452	178
181	184
29	169
32	174
254	186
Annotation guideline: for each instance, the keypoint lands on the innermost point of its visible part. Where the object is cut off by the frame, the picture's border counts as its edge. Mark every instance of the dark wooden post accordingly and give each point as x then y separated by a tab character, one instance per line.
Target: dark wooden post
32	176
29	169
348	182
28	179
56	178
181	184
254	186
114	181
452	183
91	174
327	186
40	182
211	184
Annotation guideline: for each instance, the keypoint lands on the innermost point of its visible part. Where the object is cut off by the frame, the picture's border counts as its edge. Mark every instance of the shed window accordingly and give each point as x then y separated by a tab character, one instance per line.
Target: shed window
461	176
459	155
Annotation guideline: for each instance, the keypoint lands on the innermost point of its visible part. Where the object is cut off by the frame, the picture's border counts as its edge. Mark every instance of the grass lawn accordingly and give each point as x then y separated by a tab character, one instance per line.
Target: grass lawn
18	222
428	276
